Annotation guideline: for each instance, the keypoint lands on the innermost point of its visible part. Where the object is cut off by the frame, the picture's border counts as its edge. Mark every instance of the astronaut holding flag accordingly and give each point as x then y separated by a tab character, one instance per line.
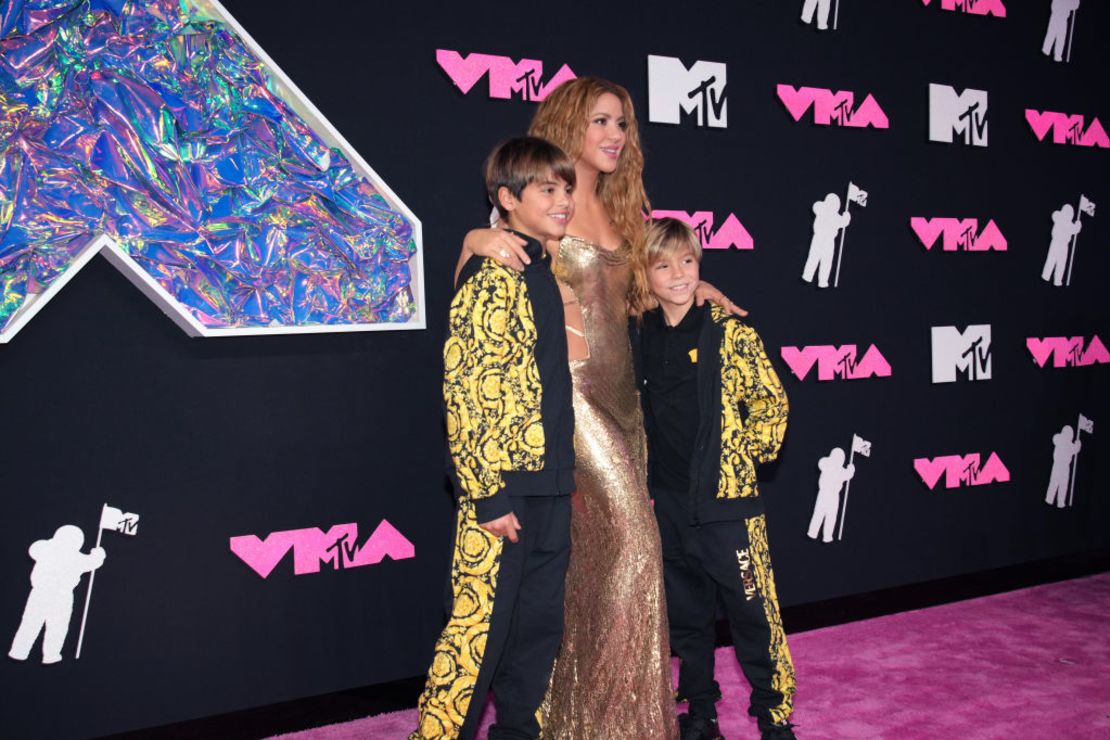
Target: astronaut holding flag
1065	235
834	474
828	221
59	565
1065	462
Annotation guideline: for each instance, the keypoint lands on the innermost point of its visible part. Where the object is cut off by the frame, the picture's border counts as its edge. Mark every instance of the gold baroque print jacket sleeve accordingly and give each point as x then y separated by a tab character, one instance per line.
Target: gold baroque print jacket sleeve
747	379
491	385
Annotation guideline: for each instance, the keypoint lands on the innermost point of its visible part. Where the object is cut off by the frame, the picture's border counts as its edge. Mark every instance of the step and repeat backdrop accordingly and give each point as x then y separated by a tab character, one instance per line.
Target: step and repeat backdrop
227	236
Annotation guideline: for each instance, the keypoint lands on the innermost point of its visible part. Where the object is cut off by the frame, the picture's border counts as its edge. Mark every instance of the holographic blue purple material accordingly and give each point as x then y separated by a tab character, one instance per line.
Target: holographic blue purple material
150	122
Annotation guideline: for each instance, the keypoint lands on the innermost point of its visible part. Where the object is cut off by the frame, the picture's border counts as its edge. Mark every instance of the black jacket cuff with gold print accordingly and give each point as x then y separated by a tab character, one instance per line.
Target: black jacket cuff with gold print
492	507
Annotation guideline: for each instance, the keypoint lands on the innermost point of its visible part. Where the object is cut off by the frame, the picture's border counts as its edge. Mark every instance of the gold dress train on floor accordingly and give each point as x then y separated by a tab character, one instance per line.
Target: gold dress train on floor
613	677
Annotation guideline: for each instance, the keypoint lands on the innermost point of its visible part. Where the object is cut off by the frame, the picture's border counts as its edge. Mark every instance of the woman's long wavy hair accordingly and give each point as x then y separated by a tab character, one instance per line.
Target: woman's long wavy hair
562	119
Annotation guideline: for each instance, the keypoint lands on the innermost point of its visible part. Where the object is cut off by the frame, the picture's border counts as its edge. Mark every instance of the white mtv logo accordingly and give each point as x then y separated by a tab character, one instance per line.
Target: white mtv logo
957	114
966	353
700	91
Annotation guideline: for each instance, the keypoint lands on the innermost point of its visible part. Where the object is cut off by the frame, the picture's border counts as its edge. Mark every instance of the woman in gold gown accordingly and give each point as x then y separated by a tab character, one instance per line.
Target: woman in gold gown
612	678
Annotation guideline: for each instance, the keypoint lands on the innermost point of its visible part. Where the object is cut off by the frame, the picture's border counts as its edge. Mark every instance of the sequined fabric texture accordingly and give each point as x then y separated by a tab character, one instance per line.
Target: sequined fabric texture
157	125
613	676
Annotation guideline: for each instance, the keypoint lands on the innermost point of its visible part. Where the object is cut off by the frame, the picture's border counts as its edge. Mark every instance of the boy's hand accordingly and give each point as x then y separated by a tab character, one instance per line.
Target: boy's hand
503	526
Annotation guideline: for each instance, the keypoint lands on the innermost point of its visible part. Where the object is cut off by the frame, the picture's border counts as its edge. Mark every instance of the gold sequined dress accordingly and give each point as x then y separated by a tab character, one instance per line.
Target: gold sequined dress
613	676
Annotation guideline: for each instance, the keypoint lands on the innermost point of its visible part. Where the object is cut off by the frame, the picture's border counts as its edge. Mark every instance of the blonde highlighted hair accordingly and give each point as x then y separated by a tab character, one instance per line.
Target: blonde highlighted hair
665	237
562	119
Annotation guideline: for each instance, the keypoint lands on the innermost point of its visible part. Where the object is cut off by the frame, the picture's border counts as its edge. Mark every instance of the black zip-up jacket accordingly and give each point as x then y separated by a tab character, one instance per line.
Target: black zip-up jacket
507	385
742	417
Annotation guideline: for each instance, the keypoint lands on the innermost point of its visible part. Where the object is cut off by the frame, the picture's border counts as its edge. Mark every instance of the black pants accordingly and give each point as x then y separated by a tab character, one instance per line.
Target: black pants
526	626
729	559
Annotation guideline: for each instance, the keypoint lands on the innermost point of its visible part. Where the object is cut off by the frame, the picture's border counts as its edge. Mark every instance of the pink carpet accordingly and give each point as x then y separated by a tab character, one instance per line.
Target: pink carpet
1033	663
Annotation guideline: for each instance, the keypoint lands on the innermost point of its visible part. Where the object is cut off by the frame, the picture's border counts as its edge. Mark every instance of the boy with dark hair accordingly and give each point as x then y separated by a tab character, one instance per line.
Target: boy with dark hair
699	369
510	426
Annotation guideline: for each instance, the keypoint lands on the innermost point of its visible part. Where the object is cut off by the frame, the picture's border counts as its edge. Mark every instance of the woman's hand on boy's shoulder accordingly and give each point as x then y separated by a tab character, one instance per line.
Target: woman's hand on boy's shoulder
707	292
498	244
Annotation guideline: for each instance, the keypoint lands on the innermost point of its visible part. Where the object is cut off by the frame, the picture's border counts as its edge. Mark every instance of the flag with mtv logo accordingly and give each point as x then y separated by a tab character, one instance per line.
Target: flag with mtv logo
856	195
860	446
1087	206
1085	425
118	520
114	520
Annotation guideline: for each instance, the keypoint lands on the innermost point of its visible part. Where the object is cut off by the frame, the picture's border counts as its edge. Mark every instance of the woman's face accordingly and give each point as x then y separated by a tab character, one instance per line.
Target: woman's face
605	134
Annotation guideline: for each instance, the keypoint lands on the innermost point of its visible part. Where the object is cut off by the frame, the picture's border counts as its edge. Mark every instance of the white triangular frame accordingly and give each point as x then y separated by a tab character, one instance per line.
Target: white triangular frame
110	249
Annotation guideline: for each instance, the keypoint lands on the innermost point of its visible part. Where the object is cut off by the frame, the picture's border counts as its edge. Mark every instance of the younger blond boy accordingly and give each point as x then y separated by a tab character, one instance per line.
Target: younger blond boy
713	409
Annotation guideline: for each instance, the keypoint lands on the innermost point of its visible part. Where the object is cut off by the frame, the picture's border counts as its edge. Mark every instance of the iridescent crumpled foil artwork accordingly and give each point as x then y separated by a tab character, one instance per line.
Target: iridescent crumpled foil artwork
151	121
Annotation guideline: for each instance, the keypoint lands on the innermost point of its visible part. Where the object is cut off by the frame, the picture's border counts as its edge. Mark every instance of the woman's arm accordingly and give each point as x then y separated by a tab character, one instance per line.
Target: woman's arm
706	292
503	246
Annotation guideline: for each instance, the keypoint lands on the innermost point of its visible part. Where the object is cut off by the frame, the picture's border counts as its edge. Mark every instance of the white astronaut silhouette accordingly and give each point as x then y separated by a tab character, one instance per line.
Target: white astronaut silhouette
59	565
1063	229
1056	38
834	474
827	223
821	7
1067	447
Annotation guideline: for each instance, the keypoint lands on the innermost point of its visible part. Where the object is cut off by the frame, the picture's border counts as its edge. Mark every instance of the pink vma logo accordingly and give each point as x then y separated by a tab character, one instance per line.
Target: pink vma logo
836	362
960	234
731	233
1066	129
338	547
1067	351
831	108
506	77
973	7
961	470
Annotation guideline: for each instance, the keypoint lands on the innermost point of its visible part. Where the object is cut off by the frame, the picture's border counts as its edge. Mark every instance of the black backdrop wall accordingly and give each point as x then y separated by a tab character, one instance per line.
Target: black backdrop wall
106	400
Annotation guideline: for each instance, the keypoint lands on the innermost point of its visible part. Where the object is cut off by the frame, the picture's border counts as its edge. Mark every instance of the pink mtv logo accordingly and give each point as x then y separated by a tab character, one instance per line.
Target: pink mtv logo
961	470
836	362
959	234
338	547
832	107
506	77
973	7
1066	129
731	233
1067	351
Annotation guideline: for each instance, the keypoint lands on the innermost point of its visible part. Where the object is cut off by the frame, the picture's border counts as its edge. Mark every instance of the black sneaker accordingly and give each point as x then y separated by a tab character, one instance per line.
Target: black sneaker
698	728
781	731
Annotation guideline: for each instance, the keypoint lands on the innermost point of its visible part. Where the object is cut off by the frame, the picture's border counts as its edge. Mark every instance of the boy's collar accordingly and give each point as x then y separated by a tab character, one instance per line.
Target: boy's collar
691	318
